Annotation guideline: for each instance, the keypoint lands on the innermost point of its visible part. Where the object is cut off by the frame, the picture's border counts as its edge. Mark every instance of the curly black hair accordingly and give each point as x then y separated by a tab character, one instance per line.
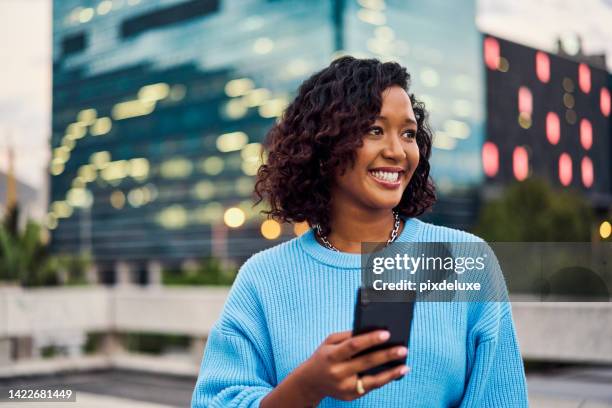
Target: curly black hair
319	134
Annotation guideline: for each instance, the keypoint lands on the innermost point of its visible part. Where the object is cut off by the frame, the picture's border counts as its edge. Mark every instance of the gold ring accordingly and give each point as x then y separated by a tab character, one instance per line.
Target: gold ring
359	388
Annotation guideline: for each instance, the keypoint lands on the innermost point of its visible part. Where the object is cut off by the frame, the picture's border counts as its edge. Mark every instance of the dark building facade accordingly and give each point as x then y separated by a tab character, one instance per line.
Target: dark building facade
547	116
160	108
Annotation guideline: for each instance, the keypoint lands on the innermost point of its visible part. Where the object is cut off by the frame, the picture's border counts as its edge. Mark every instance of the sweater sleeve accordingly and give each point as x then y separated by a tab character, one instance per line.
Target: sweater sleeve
497	377
237	369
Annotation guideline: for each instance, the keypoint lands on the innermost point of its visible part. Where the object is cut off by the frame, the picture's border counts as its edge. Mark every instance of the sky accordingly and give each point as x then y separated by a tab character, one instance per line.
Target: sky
25	84
25	52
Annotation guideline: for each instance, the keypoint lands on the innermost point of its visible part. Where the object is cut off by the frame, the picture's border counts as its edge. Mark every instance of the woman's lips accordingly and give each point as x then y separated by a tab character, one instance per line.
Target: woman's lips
387	179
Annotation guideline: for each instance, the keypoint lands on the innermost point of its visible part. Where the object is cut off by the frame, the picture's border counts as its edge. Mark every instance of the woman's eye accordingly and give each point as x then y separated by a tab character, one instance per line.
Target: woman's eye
411	134
375	130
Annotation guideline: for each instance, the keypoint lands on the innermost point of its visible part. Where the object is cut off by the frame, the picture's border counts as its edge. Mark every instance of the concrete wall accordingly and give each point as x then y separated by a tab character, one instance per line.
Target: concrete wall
565	331
570	332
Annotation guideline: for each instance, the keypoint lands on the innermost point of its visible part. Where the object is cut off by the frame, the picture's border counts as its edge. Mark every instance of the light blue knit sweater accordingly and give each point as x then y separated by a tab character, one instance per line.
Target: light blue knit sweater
286	300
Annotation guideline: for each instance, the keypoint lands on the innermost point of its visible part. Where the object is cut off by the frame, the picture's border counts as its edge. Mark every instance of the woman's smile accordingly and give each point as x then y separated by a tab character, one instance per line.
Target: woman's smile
387	177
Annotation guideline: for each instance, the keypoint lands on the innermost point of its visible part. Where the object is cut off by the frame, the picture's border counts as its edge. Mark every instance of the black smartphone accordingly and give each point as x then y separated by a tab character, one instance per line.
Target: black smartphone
393	314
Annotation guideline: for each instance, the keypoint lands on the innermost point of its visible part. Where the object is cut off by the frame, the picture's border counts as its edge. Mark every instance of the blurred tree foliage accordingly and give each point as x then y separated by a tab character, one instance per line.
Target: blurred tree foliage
154	343
25	258
209	271
531	211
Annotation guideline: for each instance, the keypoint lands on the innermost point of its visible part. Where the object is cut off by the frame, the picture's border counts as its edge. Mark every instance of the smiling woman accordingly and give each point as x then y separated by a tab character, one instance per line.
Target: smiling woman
350	156
351	129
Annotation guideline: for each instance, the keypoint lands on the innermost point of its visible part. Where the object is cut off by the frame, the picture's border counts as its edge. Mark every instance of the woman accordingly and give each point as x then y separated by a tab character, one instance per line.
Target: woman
350	157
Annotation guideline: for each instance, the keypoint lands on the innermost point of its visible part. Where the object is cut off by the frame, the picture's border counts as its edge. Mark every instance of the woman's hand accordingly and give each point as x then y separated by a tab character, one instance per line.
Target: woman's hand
332	371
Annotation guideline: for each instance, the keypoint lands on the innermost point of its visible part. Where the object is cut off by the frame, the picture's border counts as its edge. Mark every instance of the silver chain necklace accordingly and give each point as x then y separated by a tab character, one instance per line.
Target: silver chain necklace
392	238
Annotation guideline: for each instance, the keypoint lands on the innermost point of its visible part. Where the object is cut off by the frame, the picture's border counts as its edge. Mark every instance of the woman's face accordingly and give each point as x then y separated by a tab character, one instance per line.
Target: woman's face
385	163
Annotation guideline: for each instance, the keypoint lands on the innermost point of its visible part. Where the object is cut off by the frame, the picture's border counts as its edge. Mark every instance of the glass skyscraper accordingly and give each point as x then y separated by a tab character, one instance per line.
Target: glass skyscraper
160	106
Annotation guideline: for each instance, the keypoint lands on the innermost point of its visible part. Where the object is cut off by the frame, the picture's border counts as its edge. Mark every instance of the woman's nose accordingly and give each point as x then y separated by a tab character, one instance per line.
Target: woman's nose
393	148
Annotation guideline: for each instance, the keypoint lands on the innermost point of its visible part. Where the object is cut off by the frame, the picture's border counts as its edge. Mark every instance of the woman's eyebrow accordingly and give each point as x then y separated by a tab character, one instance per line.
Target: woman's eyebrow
408	120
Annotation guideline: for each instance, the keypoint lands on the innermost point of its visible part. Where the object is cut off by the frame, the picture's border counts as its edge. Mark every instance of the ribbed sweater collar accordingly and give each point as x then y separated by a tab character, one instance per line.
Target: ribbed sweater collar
345	260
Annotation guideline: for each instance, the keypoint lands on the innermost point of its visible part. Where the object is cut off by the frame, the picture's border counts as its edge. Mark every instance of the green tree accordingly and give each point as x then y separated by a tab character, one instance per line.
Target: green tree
25	257
531	211
209	271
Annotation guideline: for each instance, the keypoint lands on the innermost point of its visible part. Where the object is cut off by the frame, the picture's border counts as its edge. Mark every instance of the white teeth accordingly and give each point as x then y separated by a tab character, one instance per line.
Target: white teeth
390	176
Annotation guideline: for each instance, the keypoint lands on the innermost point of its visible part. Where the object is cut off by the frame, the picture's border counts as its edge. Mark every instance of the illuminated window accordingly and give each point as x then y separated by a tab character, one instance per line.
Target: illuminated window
584	78
604	101
542	66
101	126
212	165
87	172
553	128
61	209
173	217
61	154
230	142
273	107
76	130
79	197
115	170
263	45
136	198
586	169
250	168
154	92
568	100
378	5
57	168
176	168
235	109
491	53
370	16
586	134
87	116
524	120
104	7
86	15
117	199
565	169
239	87
525	100
139	168
132	109
520	163
69	143
490	159
251	152
256	97
100	159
